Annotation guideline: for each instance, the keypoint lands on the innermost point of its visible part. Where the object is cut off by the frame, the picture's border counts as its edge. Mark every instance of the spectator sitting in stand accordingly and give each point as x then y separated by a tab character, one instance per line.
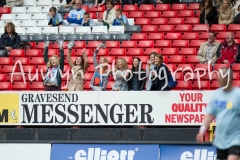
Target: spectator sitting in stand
226	13
121	19
136	2
228	52
69	2
209	14
237	18
87	21
235	4
99	3
2	3
54	18
150	66
10	39
14	3
88	3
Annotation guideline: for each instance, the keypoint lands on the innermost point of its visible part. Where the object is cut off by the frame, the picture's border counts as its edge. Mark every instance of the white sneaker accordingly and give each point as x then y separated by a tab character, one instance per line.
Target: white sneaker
71	44
46	44
60	43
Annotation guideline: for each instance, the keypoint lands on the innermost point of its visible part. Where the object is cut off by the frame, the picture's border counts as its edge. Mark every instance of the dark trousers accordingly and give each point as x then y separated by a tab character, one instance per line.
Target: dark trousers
52	88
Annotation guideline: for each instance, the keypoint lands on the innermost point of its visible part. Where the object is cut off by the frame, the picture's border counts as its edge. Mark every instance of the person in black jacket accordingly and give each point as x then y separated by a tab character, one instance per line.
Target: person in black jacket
159	77
137	83
10	39
237	17
136	2
209	14
2	3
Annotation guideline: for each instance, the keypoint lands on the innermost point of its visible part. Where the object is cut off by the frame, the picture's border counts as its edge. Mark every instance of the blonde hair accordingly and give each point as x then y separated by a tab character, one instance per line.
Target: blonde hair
124	62
225	10
11	25
105	61
49	64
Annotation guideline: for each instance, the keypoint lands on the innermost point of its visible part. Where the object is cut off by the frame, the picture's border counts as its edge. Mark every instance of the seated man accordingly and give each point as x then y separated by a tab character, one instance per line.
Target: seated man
14	3
121	19
75	16
87	21
54	18
207	51
228	52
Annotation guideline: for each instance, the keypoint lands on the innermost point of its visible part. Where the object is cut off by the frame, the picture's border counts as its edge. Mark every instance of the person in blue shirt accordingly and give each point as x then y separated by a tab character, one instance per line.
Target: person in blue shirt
121	19
87	21
54	18
75	16
225	107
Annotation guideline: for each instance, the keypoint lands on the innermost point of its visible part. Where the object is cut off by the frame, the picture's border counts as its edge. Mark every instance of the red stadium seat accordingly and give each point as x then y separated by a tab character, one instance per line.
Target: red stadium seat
5	10
185	67
129	8
236	83
180	43
139	36
129	44
204	35
192	20
33	53
37	61
92	15
179	7
219	66
204	85
159	21
150	50
236	67
176	21
237	41
196	43
163	43
23	60
74	58
93	44
136	14
135	52
142	21
91	69
33	44
52	52
3	77
170	51
171	67
86	8
165	59
103	52
110	59
79	52
235	75
149	29
16	53
55	45
146	7
198	13
188	51
237	35
169	14
192	59
146	44
155	36
166	28
117	6
173	36
186	13
42	68
88	76
144	59
98	9
200	28
234	27
178	76
81	44
215	85
66	16
112	44
5	61
177	59
190	36
9	69
183	28
37	86
16	77
214	76
128	59
118	52
5	86
218	27
183	85
193	6
162	7
66	52
29	69
110	85
222	35
153	14
21	86
204	66
41	45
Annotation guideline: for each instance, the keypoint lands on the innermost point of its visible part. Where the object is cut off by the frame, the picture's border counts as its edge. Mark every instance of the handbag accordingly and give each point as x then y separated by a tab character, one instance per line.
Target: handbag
171	82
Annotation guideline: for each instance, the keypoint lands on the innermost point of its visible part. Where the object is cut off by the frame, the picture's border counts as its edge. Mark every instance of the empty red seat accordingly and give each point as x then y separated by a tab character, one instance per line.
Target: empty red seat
110	85
80	44
92	15
183	28
171	67
52	52
16	53
23	60
139	36
98	9
142	21
185	67
136	14
152	14
192	59
178	76
35	77
129	44
183	85
5	86
193	6
234	27
155	36
159	21
3	77
87	51
170	51
190	36
33	53
29	69
200	28
169	14
135	52
173	36
186	13
222	35
93	44
188	51
144	59
42	68
130	7
103	52
176	21
91	69
218	27
192	20
149	29
128	59
118	52
215	85
236	67
16	77
201	85
21	86
235	75
150	50
198	13
166	28
212	76
5	10
66	52
196	43
180	43
219	66
146	7
56	46
112	44
5	61
41	45
206	67
204	35
146	44
237	41
86	8
237	35
162	7
179	7
177	59
163	43
37	86
117	6
9	69
236	83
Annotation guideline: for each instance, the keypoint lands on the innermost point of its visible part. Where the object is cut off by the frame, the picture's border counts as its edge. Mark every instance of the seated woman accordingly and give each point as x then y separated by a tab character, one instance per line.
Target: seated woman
209	13
53	79
137	82
120	74
226	13
78	69
69	2
54	18
100	77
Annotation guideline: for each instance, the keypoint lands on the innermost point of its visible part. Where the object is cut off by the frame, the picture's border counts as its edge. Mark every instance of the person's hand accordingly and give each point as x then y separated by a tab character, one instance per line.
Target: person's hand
100	20
8	48
66	6
99	46
199	137
84	51
99	4
95	5
59	26
60	1
225	61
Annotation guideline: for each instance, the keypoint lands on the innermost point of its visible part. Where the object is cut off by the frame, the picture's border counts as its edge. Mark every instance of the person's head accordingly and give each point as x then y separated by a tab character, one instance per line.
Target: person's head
103	60
86	16
230	37
53	61
136	63
79	61
52	11
9	27
109	4
239	8
152	56
208	3
225	77
78	4
118	12
158	59
226	5
121	64
211	36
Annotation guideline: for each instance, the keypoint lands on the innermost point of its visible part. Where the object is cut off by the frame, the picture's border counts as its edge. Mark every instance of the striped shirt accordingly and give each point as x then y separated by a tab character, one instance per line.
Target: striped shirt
209	52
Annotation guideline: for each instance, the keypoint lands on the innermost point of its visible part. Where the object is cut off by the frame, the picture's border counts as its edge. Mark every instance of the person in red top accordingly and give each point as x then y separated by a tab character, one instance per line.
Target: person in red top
228	52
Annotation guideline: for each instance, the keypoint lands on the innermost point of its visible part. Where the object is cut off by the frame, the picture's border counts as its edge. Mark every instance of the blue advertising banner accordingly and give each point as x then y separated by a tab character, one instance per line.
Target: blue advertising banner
105	152
187	152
